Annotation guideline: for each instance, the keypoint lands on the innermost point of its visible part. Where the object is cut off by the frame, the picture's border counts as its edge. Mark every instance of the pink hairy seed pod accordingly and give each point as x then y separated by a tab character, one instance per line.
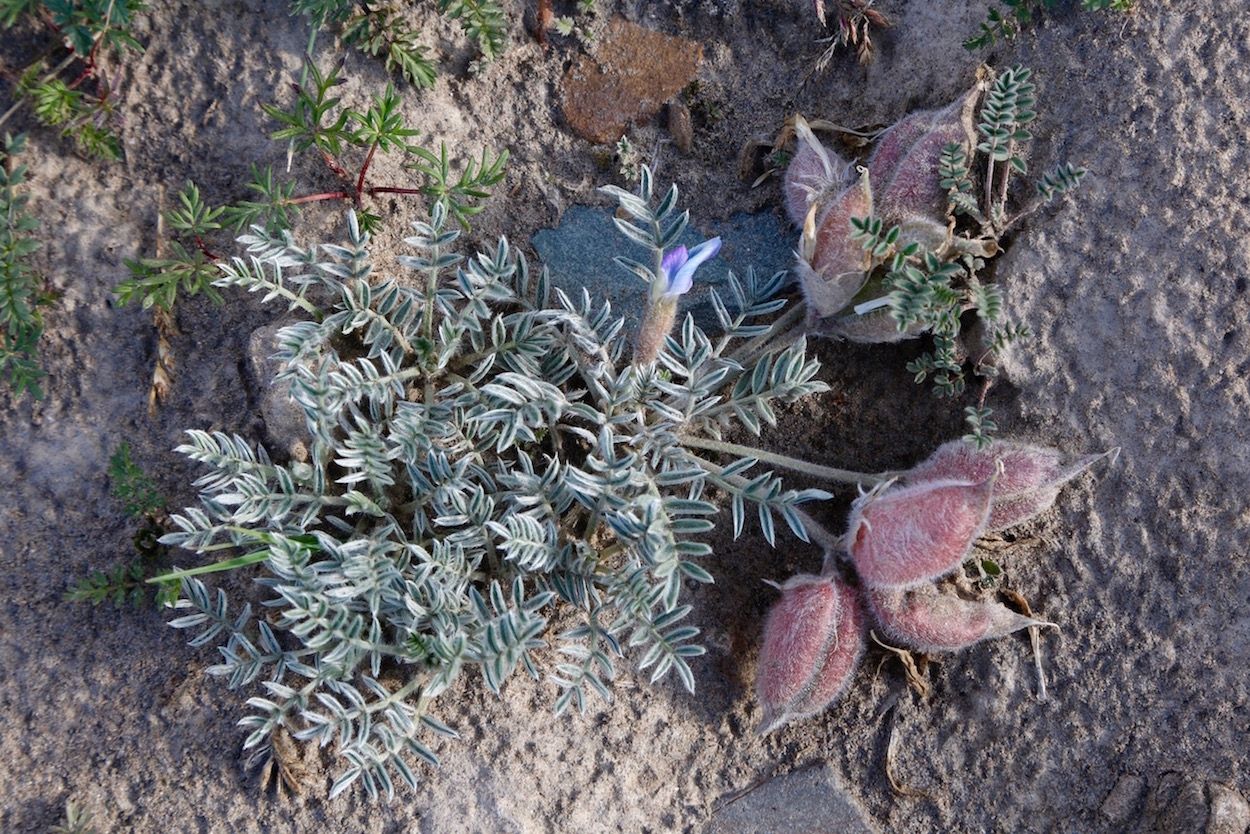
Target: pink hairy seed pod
892	146
902	537
832	265
904	166
813	641
1028	486
930	619
815	174
914	194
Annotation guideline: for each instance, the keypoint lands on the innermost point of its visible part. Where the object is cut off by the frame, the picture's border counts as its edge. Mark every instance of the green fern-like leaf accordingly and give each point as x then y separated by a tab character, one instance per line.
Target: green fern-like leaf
482	21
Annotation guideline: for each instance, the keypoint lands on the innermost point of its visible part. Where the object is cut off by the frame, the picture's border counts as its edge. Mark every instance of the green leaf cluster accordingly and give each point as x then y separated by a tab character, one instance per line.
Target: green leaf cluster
483	461
1005	21
482	21
386	30
128	582
20	288
87	27
189	268
76	821
137	492
387	33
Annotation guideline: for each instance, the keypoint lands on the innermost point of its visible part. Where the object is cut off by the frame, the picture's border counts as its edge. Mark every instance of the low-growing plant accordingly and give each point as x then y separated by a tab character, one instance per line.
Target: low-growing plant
386	30
484	458
902	250
129	581
70	92
76	821
570	26
347	141
1006	21
21	291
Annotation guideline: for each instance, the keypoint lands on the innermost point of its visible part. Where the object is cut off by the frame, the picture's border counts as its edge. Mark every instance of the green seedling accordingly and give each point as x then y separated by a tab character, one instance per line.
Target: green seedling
66	87
128	582
1011	16
21	291
386	30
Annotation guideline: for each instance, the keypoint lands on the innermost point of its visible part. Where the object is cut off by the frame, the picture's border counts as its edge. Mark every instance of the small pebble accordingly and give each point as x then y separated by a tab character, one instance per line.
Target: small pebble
1181	805
1121	804
680	125
1230	813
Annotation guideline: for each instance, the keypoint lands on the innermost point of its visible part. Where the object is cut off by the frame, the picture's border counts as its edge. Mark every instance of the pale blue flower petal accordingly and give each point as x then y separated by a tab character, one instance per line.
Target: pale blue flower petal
681	282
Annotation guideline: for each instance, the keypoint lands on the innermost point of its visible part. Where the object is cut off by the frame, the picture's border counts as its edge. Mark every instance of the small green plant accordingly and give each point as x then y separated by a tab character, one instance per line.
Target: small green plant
385	29
318	123
74	96
128	582
568	25
628	159
137	492
76	821
189	267
484	458
1006	21
21	293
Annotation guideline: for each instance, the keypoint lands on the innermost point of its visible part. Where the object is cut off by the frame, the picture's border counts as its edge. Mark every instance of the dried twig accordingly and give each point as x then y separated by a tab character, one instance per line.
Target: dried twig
916	678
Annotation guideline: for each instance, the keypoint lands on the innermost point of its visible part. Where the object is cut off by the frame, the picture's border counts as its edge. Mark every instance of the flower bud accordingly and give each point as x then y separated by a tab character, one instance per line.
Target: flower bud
901	537
931	619
813	641
675	278
832	264
1029	484
815	174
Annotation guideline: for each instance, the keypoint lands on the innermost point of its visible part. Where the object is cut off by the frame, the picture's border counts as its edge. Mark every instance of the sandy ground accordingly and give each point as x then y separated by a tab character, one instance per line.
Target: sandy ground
1135	288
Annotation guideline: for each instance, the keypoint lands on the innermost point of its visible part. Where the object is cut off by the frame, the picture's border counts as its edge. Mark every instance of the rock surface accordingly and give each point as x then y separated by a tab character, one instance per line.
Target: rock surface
810	800
630	76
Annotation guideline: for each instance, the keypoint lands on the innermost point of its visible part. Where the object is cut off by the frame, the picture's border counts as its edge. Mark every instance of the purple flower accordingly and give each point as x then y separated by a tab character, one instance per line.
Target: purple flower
675	280
678	267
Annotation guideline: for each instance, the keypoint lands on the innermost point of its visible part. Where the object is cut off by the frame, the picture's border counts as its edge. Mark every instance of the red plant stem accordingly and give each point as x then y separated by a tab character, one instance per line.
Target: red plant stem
203	247
87	72
389	190
360	181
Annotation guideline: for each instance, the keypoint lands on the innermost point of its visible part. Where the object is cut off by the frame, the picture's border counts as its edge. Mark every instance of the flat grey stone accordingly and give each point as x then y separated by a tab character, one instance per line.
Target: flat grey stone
284	420
807	801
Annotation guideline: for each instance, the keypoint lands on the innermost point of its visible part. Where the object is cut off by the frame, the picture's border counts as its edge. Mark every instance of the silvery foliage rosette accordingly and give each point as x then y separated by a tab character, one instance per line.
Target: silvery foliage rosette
482	457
